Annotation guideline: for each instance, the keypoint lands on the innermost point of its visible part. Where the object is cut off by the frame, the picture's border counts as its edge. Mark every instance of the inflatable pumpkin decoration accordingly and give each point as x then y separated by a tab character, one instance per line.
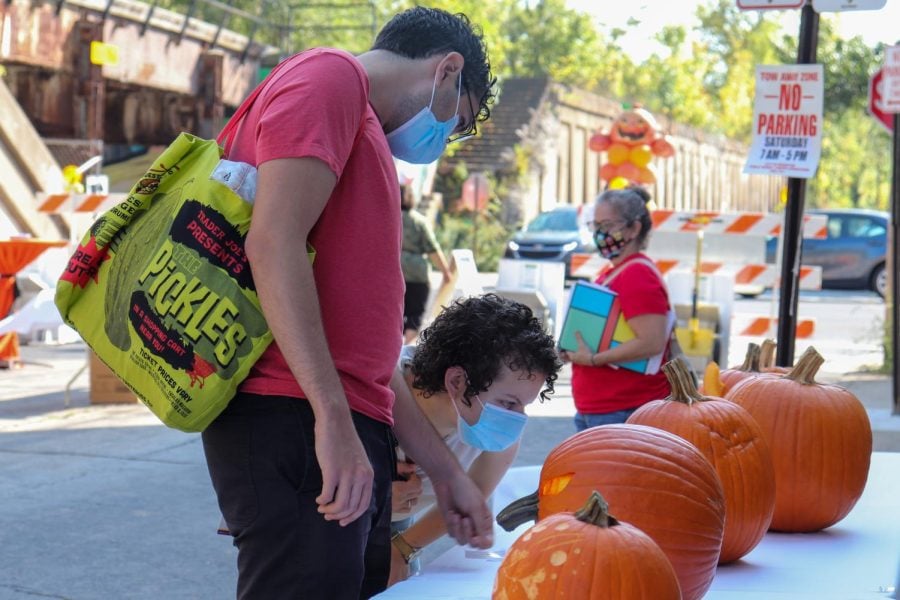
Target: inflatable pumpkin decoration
633	139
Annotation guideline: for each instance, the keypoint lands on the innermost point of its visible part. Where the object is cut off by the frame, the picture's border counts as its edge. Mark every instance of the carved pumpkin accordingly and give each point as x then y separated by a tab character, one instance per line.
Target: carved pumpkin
821	442
733	443
583	556
640	469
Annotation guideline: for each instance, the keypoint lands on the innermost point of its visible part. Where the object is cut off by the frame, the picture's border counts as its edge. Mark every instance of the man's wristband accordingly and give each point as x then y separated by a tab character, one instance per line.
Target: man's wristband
407	550
592	360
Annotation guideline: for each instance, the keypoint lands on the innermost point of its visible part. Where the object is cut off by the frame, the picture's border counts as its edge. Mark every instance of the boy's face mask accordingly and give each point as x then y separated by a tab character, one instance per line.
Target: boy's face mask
422	139
496	429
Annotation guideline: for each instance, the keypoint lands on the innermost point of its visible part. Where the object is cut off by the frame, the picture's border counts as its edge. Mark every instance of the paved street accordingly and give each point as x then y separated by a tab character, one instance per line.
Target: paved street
100	502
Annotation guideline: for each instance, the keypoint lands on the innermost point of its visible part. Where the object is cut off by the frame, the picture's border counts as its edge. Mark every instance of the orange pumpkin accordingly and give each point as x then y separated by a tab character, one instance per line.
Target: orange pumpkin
583	556
733	443
821	442
639	469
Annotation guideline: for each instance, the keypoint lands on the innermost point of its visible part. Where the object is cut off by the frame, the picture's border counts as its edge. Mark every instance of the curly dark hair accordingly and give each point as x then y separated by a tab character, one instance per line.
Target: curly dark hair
422	32
480	334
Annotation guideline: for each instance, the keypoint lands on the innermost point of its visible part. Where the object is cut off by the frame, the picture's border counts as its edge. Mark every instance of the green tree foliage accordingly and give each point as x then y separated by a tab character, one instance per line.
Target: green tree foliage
673	84
483	232
854	171
734	42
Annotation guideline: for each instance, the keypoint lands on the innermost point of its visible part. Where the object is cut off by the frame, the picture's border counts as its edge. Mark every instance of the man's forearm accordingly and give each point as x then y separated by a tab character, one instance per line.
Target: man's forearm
287	293
418	437
276	249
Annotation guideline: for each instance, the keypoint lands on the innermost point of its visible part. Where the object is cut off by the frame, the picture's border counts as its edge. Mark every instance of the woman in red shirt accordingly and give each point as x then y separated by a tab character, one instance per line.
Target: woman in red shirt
603	392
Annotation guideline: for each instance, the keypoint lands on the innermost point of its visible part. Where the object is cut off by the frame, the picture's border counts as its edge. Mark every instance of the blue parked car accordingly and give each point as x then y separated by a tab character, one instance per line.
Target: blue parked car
853	254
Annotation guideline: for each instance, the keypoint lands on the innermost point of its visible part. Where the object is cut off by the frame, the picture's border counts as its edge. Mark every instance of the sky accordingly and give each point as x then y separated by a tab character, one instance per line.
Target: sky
881	25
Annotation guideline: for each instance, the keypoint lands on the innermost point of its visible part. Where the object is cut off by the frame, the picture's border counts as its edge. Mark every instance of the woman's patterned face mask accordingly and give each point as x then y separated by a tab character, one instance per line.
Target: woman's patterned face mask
609	243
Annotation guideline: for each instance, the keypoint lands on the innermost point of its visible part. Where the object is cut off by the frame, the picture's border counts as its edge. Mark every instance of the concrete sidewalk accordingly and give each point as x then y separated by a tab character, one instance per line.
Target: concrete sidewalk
103	502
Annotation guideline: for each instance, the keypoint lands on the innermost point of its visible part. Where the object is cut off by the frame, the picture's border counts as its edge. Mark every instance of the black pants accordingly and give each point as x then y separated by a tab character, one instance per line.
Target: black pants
414	304
261	457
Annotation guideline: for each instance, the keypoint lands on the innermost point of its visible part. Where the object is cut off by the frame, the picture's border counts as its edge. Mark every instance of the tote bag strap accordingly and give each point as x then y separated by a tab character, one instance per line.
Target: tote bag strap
224	137
675	349
652	266
644	261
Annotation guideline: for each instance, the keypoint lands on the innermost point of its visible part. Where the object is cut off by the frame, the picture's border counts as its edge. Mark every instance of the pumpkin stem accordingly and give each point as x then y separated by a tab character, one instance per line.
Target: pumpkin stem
767	353
806	368
681	382
752	359
596	512
518	511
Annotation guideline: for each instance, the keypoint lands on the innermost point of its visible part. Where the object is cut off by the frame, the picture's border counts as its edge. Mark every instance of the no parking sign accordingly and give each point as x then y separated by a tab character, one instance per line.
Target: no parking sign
787	121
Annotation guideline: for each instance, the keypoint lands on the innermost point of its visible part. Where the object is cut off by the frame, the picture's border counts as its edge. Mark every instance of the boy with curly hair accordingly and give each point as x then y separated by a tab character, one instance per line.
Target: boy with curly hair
475	369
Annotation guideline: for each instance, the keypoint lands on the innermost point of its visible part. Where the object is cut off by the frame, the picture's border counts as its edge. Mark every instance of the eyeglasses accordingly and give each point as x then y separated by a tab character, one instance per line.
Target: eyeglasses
604	226
471	130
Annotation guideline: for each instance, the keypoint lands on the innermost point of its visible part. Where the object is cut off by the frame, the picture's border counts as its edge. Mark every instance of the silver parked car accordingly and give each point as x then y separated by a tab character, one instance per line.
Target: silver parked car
553	235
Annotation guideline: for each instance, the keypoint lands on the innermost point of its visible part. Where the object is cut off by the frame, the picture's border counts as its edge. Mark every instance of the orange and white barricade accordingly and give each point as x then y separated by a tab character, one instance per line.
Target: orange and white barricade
67	202
589	266
762	224
759	326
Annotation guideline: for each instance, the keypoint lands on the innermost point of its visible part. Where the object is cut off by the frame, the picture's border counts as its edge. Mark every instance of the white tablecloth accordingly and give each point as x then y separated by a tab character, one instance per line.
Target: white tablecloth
858	558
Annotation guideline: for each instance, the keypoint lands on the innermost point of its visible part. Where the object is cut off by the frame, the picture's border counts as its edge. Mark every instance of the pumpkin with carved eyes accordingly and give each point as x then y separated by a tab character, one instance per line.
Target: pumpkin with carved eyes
584	556
639	470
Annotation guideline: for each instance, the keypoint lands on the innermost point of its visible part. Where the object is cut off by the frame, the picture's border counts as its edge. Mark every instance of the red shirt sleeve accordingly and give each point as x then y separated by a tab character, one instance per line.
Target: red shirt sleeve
641	291
313	109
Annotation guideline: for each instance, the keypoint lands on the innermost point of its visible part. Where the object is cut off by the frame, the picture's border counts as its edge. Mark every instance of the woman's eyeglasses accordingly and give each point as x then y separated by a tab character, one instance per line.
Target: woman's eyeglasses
604	227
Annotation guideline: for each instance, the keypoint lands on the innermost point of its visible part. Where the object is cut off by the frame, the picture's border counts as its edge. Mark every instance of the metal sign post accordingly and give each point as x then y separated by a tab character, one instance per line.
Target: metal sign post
895	272
793	217
889	97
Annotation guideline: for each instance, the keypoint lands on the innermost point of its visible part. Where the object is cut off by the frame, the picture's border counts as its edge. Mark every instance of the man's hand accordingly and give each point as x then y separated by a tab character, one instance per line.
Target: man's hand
405	494
465	511
347	474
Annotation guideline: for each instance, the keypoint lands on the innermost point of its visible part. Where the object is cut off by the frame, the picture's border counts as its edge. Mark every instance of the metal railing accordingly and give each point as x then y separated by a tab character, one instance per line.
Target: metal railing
278	31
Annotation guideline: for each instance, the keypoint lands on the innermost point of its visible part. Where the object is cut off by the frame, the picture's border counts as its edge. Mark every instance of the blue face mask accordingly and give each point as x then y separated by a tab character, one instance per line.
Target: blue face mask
422	139
497	428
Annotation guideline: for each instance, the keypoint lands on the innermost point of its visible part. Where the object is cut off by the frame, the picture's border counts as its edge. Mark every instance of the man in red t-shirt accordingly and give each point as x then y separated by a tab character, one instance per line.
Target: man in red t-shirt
302	459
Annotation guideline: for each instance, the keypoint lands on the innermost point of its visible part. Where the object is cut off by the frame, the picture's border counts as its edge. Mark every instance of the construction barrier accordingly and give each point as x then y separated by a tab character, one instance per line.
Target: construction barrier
763	224
77	203
759	327
588	266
